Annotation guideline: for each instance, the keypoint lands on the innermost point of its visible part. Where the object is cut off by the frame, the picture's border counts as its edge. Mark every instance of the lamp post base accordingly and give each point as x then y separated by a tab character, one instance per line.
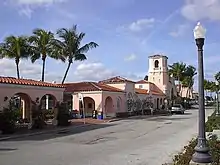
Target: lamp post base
201	157
202	154
193	163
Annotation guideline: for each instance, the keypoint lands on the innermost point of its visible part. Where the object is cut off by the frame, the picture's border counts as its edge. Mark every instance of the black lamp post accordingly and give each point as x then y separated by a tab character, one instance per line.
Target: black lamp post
201	154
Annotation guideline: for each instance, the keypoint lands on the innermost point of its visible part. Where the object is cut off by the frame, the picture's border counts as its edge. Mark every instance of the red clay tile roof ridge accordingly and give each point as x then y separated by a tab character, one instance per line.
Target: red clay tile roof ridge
96	86
114	80
110	87
31	82
144	82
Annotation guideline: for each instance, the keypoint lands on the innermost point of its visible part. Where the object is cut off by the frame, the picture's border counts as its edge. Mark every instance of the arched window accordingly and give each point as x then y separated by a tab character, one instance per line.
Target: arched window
156	64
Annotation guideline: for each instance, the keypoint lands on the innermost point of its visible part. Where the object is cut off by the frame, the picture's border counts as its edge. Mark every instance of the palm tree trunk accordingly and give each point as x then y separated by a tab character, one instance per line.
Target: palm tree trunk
179	85
43	69
17	68
67	70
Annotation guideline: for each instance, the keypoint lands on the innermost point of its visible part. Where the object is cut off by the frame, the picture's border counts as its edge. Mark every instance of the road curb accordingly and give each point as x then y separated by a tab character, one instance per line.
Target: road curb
42	132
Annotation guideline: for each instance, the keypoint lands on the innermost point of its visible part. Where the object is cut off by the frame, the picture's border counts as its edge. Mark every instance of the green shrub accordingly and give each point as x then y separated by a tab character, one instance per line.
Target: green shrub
8	118
38	117
48	114
214	145
212	123
185	157
63	115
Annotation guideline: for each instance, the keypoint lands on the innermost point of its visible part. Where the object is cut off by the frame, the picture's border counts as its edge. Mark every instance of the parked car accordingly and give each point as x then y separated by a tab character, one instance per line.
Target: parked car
178	109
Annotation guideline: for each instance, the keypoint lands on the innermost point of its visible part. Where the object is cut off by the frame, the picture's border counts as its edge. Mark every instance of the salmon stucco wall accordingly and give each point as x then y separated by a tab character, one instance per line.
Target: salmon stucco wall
114	102
33	92
89	97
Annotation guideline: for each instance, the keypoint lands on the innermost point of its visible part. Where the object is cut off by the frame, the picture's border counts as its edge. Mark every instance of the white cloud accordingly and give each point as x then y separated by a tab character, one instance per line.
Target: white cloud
131	57
27	7
96	71
84	71
180	30
27	70
93	71
36	2
201	9
141	24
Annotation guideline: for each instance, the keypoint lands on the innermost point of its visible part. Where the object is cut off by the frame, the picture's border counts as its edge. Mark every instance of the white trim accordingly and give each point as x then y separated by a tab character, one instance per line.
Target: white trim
31	87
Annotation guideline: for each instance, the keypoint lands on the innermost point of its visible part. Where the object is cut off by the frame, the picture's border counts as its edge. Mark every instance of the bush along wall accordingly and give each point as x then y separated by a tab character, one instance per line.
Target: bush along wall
63	115
185	157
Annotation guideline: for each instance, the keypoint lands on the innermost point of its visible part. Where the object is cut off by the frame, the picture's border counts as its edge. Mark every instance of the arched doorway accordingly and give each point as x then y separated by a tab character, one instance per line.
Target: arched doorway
109	111
22	102
48	101
161	101
158	103
119	102
89	106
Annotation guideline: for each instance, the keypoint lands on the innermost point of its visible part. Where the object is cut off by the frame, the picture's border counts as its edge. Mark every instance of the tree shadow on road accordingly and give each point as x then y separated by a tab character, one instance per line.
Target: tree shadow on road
65	132
8	149
161	119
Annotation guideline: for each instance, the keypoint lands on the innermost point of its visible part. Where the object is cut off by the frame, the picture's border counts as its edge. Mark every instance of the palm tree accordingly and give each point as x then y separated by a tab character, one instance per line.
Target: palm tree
212	87
15	48
178	70
42	45
206	86
217	77
70	46
188	78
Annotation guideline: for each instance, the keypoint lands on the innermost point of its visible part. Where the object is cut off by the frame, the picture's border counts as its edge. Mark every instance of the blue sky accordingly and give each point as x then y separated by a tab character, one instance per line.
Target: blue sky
128	31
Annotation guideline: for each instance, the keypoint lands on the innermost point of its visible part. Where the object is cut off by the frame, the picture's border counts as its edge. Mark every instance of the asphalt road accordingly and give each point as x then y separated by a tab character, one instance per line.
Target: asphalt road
148	141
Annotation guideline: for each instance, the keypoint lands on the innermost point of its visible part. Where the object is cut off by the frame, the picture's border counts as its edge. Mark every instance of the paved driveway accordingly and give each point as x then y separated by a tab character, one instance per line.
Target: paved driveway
128	142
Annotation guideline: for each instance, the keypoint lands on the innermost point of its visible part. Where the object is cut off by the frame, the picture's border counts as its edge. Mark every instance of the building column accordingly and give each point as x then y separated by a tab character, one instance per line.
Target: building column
47	102
73	102
24	109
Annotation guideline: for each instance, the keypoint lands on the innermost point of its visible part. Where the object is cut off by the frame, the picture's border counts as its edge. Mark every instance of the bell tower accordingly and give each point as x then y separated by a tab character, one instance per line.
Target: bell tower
158	72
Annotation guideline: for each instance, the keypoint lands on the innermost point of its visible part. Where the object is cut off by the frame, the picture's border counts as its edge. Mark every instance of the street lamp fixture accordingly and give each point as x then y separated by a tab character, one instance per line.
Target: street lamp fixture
201	154
217	98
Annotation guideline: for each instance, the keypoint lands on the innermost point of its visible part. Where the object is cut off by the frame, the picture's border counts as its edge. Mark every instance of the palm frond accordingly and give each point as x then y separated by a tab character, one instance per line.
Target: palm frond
33	39
35	57
80	57
87	47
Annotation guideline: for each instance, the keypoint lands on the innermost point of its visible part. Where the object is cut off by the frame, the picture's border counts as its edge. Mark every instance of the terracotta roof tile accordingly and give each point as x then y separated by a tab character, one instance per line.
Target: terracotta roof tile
90	86
117	79
158	93
141	91
13	80
142	82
